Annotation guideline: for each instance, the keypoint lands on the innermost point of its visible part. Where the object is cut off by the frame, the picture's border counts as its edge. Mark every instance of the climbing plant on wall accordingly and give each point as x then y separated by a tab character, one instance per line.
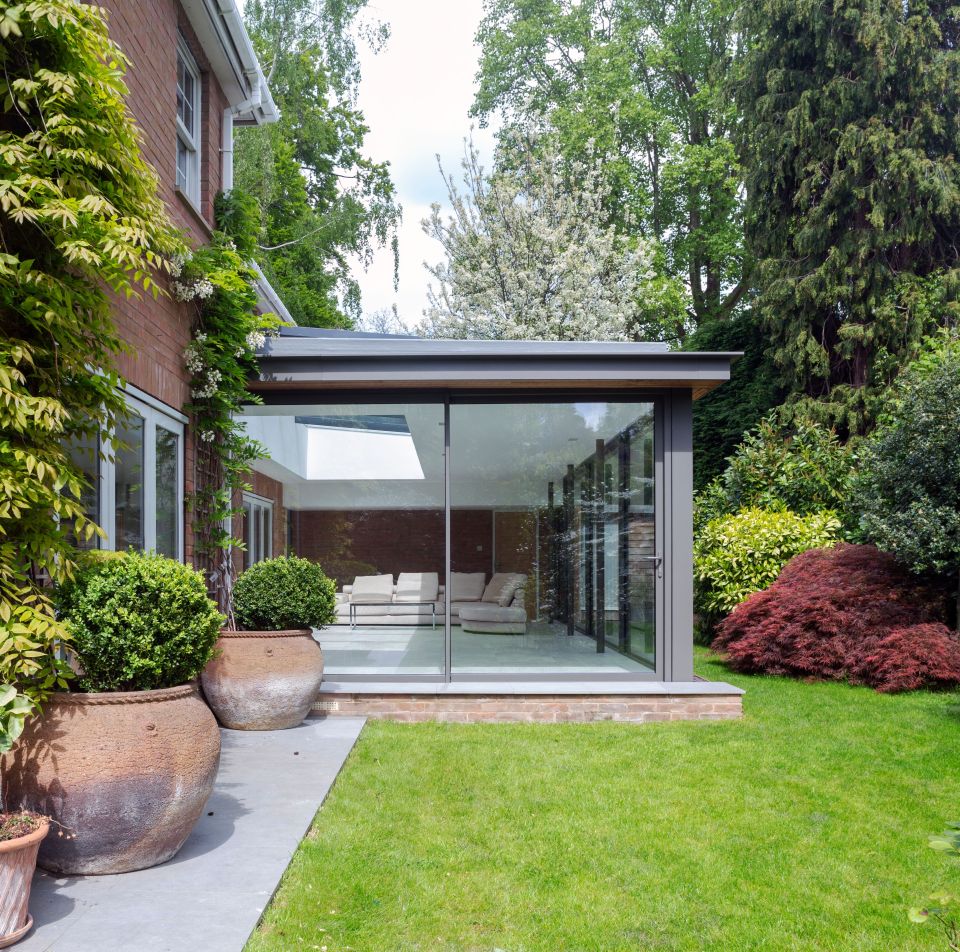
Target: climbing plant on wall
219	280
79	216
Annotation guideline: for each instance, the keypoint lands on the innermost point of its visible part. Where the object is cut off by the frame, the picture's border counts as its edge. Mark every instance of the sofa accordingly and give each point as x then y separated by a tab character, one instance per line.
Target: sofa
418	598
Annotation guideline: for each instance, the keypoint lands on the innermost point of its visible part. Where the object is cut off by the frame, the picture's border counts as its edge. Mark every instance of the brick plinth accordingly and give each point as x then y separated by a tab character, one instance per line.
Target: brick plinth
531	708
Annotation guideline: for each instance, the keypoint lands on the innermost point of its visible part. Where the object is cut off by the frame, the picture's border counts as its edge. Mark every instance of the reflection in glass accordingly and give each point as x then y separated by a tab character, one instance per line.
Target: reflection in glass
84	453
366	500
167	466
555	483
128	483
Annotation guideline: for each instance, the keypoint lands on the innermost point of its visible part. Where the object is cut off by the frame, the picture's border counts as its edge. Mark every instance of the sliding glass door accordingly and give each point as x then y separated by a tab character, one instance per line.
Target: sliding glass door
478	538
554	501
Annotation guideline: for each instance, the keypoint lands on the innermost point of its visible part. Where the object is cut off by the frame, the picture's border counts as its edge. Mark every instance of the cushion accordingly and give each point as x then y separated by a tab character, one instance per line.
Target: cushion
372	589
503	585
466	586
509	591
417	587
485	613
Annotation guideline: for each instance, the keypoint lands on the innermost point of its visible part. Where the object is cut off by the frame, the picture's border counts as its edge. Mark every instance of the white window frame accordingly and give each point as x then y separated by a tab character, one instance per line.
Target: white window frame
254	501
154	414
189	137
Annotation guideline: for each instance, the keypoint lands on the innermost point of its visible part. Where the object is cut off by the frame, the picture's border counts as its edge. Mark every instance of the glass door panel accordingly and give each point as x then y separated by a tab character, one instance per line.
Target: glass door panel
364	494
128	483
544	488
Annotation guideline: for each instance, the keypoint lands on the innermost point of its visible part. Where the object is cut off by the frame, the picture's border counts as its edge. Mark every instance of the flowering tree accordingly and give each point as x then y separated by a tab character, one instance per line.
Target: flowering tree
530	258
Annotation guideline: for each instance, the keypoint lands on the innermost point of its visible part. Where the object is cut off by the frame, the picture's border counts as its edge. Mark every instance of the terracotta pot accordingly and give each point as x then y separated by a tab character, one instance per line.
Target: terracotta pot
18	860
124	774
263	680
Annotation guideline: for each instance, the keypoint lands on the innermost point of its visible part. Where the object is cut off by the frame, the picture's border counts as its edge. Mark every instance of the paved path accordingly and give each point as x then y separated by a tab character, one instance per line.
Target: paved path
210	896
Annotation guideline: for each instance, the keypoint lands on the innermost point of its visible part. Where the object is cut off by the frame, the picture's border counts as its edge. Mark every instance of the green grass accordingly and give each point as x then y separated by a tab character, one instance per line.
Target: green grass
803	826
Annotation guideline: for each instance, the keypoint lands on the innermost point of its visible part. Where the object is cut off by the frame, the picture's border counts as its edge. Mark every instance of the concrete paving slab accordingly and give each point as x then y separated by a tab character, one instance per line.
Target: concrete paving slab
211	895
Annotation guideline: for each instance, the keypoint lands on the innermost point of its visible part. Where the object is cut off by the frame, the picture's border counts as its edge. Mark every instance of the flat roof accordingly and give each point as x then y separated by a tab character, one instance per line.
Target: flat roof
312	359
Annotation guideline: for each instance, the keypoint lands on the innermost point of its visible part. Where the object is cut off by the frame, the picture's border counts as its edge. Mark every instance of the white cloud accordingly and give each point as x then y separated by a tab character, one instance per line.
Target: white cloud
415	95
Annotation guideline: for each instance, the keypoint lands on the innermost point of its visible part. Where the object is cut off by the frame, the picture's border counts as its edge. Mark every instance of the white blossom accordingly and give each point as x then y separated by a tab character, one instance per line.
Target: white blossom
209	388
208	436
178	261
256	340
531	257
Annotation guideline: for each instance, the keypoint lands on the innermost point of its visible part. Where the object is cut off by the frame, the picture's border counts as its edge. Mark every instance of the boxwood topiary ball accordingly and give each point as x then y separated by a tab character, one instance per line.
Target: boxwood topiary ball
283	593
139	622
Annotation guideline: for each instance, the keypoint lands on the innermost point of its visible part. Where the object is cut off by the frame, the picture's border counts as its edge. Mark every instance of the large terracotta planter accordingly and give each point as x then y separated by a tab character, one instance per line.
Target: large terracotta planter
123	775
18	860
263	680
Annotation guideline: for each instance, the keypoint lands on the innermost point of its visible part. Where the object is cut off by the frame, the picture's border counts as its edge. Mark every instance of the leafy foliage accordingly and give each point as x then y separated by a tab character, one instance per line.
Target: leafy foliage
139	622
803	468
907	490
530	258
941	906
79	217
221	358
284	593
735	556
721	418
642	86
850	613
851	128
324	200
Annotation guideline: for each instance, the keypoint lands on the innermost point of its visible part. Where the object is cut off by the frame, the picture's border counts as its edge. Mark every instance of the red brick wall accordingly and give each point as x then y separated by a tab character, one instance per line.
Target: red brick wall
349	543
158	330
272	490
466	709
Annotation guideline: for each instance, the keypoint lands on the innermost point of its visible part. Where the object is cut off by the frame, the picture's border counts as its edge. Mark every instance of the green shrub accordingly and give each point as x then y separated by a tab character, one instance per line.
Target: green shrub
907	489
804	469
282	593
139	622
735	556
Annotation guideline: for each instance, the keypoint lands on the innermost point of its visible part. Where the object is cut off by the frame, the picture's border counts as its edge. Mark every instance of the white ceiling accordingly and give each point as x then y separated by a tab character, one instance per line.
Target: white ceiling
501	455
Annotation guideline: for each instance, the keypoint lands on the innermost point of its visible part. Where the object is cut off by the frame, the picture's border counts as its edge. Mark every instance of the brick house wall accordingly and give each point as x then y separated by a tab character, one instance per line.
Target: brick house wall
158	330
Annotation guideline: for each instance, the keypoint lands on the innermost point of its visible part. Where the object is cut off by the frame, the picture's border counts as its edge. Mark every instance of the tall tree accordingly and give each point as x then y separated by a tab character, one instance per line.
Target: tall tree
643	83
325	202
530	256
851	119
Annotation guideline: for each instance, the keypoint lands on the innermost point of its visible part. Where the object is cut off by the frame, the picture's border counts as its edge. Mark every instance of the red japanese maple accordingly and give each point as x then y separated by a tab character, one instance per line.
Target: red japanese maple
850	613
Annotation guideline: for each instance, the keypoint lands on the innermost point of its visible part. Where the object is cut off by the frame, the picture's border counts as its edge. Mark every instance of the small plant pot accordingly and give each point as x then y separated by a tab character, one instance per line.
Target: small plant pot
263	680
123	775
18	860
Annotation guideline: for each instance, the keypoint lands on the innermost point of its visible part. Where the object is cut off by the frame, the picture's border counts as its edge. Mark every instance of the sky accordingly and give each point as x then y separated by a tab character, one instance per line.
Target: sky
415	95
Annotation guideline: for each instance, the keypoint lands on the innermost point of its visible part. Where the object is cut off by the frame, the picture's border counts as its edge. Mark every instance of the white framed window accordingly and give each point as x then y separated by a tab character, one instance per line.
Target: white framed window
257	529
188	123
137	489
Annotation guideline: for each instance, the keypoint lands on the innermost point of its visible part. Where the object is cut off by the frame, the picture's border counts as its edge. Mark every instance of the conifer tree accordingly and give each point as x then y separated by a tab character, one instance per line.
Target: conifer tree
851	124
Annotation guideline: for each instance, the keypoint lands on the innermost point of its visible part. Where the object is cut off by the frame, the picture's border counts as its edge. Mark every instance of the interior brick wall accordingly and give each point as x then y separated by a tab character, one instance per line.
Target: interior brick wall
158	330
348	542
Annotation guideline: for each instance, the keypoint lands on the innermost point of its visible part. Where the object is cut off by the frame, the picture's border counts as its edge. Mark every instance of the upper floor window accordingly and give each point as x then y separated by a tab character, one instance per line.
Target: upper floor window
188	124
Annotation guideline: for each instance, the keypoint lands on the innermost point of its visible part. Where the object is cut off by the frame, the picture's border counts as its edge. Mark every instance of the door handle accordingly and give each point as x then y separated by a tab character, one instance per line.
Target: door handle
657	562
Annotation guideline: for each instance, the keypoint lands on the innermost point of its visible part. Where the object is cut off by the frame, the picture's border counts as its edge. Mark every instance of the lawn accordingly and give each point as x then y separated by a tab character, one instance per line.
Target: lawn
803	826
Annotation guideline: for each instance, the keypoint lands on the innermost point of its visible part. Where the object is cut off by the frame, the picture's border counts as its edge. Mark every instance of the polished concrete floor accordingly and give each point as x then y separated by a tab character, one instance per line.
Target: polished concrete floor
417	650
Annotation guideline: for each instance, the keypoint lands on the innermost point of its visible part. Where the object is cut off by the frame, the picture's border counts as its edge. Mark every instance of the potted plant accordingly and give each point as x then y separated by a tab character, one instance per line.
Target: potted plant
20	833
125	765
267	673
